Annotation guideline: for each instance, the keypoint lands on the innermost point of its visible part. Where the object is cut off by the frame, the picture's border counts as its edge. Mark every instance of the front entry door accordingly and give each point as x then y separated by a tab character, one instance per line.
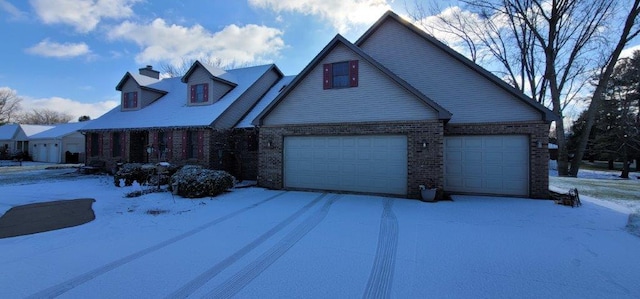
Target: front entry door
137	146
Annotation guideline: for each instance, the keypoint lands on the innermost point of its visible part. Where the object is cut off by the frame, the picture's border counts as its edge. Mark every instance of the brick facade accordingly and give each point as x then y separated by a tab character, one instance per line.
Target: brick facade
227	150
423	164
538	133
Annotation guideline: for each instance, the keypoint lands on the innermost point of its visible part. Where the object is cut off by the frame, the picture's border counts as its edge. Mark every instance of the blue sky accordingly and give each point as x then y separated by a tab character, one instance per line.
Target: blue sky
68	55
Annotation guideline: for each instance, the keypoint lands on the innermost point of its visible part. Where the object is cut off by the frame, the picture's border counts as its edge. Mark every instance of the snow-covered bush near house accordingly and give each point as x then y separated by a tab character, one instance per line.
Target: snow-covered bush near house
194	181
131	172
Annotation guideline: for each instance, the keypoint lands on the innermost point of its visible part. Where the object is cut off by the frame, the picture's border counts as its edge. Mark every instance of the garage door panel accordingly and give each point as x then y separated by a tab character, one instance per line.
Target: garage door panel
376	164
494	164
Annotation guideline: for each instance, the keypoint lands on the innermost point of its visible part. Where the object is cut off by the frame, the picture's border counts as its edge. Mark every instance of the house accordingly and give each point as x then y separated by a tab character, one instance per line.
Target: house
398	109
61	144
183	120
14	139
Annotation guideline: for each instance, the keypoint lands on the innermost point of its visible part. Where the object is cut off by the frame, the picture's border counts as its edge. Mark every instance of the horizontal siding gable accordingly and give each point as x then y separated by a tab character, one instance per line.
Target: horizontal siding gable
376	98
129	86
469	96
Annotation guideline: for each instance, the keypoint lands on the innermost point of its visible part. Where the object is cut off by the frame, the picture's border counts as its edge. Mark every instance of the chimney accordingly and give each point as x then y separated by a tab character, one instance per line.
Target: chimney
149	72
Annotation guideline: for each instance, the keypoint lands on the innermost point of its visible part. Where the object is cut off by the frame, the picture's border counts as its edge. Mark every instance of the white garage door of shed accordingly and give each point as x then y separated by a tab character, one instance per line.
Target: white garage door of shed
375	164
495	164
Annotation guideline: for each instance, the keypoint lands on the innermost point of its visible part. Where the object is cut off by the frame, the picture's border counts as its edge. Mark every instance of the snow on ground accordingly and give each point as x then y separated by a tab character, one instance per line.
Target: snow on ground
253	242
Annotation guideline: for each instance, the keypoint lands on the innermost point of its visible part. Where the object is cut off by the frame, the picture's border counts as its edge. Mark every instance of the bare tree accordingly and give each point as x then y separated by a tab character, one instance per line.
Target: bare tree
547	49
9	104
84	118
172	70
44	117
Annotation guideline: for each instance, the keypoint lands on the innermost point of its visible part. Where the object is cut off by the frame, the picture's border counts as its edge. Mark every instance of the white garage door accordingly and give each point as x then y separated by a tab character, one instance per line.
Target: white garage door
376	164
496	164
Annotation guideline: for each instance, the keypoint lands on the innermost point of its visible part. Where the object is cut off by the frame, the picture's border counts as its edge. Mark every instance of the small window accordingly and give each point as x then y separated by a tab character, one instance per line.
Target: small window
130	100
95	144
199	93
162	141
340	74
116	147
192	144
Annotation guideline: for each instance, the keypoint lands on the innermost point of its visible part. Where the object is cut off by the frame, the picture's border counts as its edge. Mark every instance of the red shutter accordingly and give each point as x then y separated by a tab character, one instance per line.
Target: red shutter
111	143
88	148
123	139
353	73
327	74
184	143
200	145
156	145
193	94
206	92
100	139
135	100
169	145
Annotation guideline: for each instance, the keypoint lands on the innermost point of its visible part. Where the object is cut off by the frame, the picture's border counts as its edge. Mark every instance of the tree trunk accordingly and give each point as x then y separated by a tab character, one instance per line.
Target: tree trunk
625	164
610	164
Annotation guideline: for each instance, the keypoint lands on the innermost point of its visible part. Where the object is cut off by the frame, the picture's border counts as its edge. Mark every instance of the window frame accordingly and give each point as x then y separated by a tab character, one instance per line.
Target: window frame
194	92
330	76
116	144
130	100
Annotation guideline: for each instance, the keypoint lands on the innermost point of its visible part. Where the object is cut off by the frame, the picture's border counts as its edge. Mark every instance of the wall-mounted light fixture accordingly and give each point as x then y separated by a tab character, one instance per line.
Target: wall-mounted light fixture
539	144
269	144
424	144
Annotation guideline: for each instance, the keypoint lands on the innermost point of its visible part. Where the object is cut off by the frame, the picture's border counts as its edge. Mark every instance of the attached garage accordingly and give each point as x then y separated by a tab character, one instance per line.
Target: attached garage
488	164
372	164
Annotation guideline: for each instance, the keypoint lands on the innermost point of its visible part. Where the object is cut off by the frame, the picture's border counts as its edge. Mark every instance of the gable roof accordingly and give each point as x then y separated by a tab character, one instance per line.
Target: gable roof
247	120
30	130
442	113
215	73
8	131
61	130
548	115
172	110
141	80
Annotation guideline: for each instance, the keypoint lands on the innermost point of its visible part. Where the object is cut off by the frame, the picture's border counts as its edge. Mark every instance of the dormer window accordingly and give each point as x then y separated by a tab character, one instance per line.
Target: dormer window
199	93
129	100
340	74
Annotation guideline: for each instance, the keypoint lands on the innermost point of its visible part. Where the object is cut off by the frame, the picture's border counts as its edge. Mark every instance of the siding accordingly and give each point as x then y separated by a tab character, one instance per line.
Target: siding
248	99
377	98
130	86
470	97
216	89
147	97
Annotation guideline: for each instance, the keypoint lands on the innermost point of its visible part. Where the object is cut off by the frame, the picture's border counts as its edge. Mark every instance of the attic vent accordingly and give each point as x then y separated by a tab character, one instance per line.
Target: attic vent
283	87
149	72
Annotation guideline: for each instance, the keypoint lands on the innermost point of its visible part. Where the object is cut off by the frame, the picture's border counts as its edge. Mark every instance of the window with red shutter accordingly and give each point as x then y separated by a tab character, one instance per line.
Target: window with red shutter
130	100
199	93
340	74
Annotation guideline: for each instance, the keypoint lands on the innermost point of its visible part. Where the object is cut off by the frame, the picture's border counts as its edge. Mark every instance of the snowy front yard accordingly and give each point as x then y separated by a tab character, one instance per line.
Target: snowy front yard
256	243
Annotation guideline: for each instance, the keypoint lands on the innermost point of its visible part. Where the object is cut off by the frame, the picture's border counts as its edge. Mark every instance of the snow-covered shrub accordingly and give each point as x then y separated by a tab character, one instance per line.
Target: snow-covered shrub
194	181
131	172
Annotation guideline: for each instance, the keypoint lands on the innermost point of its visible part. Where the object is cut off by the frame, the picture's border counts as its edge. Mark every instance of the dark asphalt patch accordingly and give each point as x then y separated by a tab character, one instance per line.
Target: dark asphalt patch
46	216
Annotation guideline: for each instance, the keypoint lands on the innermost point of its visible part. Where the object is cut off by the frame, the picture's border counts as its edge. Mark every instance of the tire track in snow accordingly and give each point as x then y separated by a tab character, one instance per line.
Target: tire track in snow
210	273
381	276
61	288
243	277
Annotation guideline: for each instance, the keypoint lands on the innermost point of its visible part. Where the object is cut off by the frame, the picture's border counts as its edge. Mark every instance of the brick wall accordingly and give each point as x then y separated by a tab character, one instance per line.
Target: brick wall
423	163
538	132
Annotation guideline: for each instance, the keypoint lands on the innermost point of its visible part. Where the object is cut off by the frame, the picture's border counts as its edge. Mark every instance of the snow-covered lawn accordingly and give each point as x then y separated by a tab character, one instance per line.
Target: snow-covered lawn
256	243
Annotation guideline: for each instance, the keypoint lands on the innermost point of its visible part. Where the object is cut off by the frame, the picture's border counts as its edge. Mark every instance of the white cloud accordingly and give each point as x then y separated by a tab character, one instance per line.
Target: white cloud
233	44
84	15
628	52
12	10
65	50
69	106
342	14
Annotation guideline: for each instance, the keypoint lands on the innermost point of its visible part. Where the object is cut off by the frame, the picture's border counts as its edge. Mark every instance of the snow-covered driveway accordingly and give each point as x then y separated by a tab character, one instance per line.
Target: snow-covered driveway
256	243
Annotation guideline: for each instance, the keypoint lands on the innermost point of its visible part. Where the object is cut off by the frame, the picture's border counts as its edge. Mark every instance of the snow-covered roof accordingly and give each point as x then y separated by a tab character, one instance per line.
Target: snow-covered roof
31	130
8	131
143	80
264	102
60	130
172	109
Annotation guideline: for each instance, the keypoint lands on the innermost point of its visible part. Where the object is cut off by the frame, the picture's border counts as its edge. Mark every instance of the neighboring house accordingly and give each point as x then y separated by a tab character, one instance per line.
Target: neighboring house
14	138
399	109
61	144
188	119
